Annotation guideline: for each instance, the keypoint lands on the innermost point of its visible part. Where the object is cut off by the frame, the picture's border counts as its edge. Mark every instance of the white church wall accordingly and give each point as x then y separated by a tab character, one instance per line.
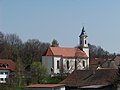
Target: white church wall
81	64
71	65
57	59
47	61
86	50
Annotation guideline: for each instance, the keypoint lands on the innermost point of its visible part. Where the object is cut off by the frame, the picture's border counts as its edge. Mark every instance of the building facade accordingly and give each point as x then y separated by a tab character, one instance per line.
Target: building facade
66	60
6	68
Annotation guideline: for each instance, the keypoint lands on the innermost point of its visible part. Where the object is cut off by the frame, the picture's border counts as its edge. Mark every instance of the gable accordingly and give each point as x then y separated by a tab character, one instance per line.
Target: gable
49	52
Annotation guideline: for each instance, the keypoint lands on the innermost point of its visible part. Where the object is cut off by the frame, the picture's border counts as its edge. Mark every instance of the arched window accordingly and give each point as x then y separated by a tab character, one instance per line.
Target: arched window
83	63
51	69
67	64
58	64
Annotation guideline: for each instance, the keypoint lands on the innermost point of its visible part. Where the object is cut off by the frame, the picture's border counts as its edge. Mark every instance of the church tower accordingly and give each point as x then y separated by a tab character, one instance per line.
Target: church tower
84	44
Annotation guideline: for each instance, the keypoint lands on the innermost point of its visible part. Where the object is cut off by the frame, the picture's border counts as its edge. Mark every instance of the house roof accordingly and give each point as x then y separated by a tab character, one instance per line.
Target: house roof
80	78
117	60
94	63
7	64
45	85
93	86
103	63
65	52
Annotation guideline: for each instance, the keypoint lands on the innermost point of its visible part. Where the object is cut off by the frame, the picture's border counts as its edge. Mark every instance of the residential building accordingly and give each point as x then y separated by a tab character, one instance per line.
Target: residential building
46	87
117	61
65	60
100	63
101	79
7	67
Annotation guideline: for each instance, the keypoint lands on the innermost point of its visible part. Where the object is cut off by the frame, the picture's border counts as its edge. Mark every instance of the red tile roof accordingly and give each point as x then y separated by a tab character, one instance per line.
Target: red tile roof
8	65
66	52
45	85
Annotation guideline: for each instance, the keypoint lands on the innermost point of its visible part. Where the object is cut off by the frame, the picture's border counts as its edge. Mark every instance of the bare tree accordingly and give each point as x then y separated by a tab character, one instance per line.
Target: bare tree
11	46
33	50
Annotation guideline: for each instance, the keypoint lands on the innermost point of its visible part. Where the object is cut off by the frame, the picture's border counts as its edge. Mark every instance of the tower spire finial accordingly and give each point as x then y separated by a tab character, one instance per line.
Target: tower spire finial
83	33
83	29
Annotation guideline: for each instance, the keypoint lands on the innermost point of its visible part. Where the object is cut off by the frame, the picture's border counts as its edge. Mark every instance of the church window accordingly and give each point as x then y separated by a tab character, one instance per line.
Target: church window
58	64
67	64
83	63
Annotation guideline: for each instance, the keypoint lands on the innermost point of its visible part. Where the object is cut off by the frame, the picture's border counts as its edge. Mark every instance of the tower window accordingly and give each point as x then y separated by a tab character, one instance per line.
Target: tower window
85	42
67	64
83	63
58	64
80	41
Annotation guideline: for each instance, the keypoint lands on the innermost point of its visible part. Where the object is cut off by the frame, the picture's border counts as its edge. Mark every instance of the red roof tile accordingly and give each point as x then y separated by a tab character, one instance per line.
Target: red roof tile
66	52
9	63
45	85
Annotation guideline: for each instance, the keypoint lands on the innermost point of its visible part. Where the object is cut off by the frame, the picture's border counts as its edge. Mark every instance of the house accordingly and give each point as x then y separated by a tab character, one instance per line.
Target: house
91	80
117	61
100	63
66	60
7	67
46	87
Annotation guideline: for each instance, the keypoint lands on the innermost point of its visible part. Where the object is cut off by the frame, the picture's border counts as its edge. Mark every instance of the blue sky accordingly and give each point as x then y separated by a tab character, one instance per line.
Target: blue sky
63	20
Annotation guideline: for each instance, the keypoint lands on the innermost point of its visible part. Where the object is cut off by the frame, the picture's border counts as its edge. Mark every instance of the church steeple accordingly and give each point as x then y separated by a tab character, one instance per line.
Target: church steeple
84	44
83	39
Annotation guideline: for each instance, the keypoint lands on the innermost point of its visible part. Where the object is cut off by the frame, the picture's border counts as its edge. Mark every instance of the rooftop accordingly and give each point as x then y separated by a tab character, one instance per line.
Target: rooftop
93	86
65	52
45	85
7	64
82	78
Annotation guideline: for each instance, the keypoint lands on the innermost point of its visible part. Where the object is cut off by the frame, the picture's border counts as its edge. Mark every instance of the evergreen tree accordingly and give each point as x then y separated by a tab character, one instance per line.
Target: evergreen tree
55	43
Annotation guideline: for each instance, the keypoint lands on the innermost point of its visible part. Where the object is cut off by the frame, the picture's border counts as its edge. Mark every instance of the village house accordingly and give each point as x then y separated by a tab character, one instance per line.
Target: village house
101	79
100	63
7	67
66	60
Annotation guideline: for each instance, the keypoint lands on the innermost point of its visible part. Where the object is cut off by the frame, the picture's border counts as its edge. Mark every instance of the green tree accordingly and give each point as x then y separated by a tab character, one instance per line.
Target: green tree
38	72
55	43
17	80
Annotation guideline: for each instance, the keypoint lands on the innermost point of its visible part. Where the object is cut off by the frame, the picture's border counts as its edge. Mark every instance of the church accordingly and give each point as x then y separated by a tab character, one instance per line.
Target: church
65	60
